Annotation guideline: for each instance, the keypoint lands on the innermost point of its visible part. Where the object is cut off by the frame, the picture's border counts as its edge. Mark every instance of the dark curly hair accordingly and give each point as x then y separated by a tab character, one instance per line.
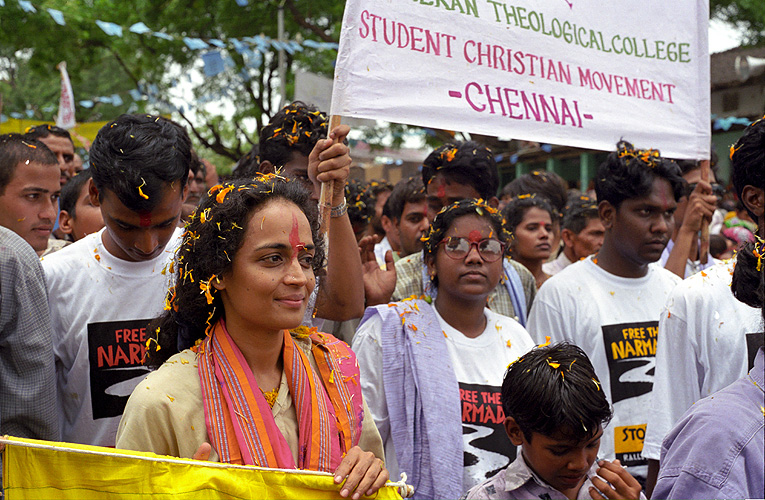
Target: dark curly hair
748	285
554	390
548	185
405	191
516	209
747	159
248	165
629	173
578	212
295	128
450	213
46	130
466	163
361	204
214	235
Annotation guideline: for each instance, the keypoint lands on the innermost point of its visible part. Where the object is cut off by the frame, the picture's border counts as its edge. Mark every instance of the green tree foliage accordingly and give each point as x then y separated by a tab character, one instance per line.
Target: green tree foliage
31	44
747	15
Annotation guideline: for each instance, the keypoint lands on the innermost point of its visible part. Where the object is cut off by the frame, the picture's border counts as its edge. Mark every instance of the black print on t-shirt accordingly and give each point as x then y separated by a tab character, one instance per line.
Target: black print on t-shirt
115	351
753	342
630	351
488	449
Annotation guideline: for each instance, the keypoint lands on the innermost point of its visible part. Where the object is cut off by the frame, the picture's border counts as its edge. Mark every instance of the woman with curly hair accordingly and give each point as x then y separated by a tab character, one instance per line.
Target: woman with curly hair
239	381
431	368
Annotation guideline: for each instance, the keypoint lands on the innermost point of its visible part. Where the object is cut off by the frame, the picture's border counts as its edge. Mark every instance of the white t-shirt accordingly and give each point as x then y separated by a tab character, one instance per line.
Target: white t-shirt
555	266
707	341
479	365
380	250
100	307
615	321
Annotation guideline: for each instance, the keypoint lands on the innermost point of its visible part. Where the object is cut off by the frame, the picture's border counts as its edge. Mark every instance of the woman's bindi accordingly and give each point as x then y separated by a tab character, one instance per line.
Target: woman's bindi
295	242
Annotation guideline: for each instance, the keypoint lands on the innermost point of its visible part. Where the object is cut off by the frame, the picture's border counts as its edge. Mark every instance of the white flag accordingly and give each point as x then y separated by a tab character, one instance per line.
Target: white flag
65	118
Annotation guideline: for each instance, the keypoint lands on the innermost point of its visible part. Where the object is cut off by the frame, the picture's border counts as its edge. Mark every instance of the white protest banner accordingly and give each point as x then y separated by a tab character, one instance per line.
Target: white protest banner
580	73
65	118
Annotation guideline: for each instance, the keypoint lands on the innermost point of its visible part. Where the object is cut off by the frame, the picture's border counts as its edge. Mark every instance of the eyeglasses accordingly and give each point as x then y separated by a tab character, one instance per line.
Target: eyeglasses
458	247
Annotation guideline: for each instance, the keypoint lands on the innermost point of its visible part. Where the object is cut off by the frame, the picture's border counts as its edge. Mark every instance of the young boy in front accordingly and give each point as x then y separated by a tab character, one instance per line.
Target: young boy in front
555	410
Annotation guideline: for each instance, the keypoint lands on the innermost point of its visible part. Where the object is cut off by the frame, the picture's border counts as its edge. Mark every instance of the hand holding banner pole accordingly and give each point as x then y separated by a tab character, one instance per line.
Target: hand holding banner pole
327	188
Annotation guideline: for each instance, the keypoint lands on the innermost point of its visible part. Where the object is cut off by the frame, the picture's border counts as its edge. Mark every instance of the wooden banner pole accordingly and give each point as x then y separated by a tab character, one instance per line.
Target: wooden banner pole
327	188
704	238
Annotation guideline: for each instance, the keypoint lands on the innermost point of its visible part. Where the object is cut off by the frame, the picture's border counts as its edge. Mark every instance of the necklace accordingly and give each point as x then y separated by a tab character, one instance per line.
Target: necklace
271	395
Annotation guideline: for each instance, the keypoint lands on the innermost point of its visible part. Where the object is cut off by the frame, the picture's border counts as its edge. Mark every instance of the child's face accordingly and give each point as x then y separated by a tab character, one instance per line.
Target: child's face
559	461
87	218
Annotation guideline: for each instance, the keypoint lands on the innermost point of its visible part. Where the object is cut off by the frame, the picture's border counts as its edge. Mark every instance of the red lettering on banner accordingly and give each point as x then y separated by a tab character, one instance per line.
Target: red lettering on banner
120	356
482	407
104	356
135	350
402	36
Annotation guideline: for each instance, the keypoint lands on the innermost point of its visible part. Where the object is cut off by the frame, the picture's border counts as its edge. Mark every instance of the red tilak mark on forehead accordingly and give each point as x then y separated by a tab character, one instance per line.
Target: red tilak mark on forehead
145	220
474	236
664	199
295	242
441	190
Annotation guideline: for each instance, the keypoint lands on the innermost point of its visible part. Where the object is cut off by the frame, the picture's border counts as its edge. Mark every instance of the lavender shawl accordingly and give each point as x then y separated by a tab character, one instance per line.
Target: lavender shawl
423	398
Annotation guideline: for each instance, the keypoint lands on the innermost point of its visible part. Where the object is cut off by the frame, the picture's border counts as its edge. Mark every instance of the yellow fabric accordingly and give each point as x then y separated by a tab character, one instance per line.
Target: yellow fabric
35	473
87	130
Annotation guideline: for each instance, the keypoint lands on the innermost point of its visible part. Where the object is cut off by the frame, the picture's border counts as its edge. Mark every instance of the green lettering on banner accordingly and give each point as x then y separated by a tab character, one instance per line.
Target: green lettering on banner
469	8
571	33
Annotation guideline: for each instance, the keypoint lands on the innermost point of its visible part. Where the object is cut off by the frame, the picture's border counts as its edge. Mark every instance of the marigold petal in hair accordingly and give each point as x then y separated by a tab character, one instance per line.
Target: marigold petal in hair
223	192
207	290
649	157
140	191
759	251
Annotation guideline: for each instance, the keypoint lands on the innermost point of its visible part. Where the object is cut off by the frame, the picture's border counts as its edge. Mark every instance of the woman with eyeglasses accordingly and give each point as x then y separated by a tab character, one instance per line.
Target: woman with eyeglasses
431	367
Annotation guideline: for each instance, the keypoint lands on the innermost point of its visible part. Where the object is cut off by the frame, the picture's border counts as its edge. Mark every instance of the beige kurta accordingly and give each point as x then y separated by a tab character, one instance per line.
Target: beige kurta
165	415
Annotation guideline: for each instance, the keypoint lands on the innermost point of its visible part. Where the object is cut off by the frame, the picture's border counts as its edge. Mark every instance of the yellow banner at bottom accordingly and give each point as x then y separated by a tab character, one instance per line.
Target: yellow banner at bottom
45	470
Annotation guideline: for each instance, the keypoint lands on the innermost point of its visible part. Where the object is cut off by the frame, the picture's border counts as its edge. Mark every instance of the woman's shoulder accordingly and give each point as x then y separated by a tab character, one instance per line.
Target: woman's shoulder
168	402
176	375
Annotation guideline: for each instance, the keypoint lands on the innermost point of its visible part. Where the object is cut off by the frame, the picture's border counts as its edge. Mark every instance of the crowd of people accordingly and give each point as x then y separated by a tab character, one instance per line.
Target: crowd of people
525	341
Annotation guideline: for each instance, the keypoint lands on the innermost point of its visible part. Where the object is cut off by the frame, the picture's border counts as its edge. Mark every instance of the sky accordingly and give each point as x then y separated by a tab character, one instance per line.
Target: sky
722	37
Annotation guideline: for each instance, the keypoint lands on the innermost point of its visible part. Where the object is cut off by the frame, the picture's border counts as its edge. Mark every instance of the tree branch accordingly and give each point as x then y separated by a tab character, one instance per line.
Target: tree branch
217	145
303	22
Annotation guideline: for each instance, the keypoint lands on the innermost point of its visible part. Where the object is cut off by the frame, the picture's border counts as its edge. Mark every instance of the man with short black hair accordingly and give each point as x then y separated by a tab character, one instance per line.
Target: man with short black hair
609	304
105	288
60	142
29	189
581	232
408	210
